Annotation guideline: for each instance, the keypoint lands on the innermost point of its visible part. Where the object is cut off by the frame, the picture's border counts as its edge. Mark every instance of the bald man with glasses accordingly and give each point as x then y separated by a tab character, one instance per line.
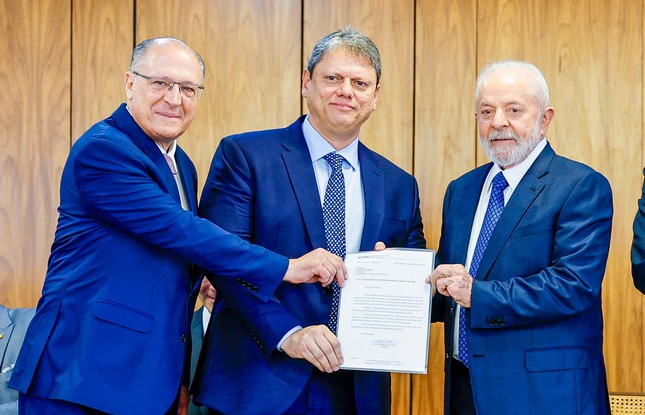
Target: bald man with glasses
111	330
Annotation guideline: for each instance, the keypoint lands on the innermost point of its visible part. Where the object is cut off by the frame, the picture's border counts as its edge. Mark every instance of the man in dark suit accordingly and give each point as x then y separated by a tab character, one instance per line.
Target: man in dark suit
273	189
207	295
523	250
13	325
638	245
111	327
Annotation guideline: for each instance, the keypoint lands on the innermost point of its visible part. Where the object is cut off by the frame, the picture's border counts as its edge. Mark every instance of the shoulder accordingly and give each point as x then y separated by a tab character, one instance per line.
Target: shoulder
261	140
369	157
472	177
569	175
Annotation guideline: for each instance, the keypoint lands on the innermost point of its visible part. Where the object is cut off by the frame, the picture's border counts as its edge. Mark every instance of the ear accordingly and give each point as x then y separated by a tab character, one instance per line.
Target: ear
376	93
129	84
547	116
306	80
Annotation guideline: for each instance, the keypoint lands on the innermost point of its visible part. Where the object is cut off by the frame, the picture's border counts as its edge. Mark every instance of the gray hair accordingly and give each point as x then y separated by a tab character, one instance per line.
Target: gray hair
538	82
140	52
350	39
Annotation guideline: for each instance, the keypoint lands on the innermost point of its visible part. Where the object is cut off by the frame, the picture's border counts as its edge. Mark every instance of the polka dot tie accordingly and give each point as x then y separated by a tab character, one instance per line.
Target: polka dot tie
493	212
334	220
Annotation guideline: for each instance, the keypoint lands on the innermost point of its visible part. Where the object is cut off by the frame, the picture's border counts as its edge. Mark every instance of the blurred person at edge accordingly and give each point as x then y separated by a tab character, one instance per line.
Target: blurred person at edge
202	316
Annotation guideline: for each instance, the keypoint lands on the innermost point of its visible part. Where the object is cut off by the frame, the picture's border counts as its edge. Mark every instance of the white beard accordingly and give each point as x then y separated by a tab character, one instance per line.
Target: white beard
505	156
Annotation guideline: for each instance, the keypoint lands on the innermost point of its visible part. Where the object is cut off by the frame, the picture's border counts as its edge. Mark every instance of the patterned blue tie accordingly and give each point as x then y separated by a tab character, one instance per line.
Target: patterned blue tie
493	212
334	220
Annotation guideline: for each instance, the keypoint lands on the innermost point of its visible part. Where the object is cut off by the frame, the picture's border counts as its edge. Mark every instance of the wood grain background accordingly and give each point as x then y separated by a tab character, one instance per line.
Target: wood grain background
63	65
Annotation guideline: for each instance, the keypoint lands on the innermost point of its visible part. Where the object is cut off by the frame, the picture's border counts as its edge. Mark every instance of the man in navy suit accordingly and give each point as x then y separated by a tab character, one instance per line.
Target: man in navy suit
521	290
207	295
111	328
279	356
638	245
13	325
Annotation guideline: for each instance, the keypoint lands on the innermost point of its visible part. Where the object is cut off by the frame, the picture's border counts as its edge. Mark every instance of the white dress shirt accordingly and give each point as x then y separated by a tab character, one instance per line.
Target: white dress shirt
513	176
171	152
354	201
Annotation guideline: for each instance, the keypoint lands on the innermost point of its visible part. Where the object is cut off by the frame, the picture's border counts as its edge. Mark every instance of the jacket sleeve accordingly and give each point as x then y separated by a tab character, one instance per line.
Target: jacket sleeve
574	239
638	245
117	187
228	200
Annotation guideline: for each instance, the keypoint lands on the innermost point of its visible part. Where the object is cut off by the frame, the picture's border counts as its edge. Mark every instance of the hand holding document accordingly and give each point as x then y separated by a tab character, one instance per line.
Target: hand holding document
384	312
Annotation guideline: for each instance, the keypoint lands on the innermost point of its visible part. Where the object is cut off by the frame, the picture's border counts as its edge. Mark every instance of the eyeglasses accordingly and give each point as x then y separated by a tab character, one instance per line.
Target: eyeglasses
187	89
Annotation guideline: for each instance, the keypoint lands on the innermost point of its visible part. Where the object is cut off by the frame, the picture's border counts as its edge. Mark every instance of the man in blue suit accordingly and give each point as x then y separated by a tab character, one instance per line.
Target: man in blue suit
523	250
13	325
202	316
111	328
638	245
272	357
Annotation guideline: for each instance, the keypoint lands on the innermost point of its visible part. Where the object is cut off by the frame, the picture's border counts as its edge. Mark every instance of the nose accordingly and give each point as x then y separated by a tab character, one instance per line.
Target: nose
173	95
345	89
499	120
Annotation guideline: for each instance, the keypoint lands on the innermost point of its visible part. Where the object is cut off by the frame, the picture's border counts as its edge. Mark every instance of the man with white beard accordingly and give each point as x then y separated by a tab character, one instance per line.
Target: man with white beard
523	250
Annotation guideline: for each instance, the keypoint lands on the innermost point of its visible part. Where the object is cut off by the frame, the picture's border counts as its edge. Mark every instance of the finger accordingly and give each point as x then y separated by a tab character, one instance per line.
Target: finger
379	246
325	272
435	276
311	358
321	358
335	343
341	271
329	359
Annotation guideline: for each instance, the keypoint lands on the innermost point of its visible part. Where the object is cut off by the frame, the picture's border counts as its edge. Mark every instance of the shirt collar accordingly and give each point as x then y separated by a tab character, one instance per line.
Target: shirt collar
318	146
514	175
173	147
171	151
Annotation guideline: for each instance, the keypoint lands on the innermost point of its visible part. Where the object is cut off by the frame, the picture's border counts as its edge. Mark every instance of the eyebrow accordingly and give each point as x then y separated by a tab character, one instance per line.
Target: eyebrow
507	103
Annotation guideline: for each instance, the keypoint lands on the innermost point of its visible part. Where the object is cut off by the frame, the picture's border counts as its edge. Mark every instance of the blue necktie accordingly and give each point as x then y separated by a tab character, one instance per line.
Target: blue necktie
334	220
493	212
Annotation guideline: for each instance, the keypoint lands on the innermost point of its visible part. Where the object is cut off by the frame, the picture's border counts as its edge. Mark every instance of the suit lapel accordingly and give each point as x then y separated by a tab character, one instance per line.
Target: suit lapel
523	197
373	182
299	167
139	138
464	208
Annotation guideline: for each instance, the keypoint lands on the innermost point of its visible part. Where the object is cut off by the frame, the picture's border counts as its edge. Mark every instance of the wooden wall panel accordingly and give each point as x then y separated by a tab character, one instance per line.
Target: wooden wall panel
389	131
444	140
101	47
35	72
252	53
590	50
390	24
593	68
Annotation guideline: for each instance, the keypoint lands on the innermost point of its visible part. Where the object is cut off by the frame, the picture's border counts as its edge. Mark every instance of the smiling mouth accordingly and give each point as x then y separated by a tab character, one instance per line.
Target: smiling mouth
165	115
340	106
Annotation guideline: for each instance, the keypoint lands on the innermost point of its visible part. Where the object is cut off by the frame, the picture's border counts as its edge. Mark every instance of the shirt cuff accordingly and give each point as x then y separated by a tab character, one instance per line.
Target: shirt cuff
289	333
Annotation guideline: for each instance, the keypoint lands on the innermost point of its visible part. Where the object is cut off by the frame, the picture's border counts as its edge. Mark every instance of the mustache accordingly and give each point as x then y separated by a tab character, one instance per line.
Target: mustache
503	135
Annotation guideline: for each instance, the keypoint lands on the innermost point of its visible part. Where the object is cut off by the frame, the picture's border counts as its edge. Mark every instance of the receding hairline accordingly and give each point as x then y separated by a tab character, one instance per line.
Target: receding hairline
535	77
142	51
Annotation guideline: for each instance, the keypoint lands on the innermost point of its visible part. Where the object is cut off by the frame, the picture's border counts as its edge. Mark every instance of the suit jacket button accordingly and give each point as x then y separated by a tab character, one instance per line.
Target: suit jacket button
183	338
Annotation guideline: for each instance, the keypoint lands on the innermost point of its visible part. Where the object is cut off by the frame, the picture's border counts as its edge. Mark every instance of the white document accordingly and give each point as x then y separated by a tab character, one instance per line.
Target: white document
384	311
